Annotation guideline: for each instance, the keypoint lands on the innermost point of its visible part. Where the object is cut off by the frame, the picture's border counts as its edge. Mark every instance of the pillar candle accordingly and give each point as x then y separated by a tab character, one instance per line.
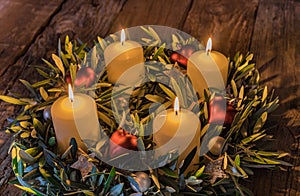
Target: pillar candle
176	129
75	116
207	69
120	56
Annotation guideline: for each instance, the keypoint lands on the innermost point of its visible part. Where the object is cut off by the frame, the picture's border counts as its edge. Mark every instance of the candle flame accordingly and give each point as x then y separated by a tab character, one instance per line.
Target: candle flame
208	46
176	106
71	94
122	36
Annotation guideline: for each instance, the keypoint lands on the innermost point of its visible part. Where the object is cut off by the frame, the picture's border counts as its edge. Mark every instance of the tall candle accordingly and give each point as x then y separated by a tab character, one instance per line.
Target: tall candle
120	56
207	69
75	116
177	130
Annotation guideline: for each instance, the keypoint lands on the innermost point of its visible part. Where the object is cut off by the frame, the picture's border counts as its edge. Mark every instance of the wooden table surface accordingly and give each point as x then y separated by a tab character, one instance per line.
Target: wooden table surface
29	31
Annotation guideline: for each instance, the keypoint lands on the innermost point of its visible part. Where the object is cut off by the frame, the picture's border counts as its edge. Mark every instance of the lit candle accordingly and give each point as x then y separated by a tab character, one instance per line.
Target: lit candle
75	116
207	69
120	57
179	130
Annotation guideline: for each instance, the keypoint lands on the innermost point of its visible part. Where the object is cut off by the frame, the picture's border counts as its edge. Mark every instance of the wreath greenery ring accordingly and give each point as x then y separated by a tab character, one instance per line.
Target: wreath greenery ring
40	170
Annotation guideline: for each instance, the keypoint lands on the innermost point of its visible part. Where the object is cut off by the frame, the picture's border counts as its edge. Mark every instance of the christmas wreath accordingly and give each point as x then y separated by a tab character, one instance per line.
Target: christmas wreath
234	148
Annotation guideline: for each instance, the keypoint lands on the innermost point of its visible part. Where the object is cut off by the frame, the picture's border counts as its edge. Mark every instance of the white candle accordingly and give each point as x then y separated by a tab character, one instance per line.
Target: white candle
75	116
120	56
207	69
177	130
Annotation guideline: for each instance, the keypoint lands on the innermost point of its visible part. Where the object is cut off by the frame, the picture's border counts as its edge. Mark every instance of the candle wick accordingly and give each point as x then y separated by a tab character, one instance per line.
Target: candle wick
122	42
176	112
207	52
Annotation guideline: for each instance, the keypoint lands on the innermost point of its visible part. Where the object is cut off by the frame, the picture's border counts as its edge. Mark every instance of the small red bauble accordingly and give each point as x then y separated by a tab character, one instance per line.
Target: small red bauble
181	56
120	142
84	77
219	113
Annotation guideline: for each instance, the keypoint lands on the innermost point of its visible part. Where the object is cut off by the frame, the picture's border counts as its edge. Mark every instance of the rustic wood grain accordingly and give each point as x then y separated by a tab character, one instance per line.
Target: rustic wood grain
229	23
274	43
269	29
167	13
79	19
20	22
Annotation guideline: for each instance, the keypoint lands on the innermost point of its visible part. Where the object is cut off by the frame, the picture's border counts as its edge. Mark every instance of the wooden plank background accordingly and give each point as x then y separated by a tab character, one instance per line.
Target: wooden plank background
29	31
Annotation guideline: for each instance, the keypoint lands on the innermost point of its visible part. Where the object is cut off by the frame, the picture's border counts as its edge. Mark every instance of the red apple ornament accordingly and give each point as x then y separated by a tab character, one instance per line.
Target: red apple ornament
120	142
181	56
219	113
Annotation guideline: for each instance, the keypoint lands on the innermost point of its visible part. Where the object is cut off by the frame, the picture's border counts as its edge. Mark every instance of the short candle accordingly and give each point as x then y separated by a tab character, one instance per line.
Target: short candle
176	129
120	57
75	116
207	69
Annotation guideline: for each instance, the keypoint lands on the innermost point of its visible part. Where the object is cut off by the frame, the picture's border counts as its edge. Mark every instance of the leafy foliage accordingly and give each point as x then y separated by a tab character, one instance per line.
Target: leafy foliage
40	170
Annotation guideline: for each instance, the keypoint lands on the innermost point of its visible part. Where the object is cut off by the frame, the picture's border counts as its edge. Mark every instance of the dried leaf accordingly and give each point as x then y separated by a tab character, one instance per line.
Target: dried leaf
59	64
102	42
234	88
260	122
25	135
155	180
167	91
44	93
251	137
154	98
50	65
225	161
83	165
265	94
27	189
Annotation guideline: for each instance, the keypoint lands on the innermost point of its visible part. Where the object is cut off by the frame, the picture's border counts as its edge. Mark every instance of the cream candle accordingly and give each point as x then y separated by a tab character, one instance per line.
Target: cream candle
177	130
207	69
120	56
75	116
